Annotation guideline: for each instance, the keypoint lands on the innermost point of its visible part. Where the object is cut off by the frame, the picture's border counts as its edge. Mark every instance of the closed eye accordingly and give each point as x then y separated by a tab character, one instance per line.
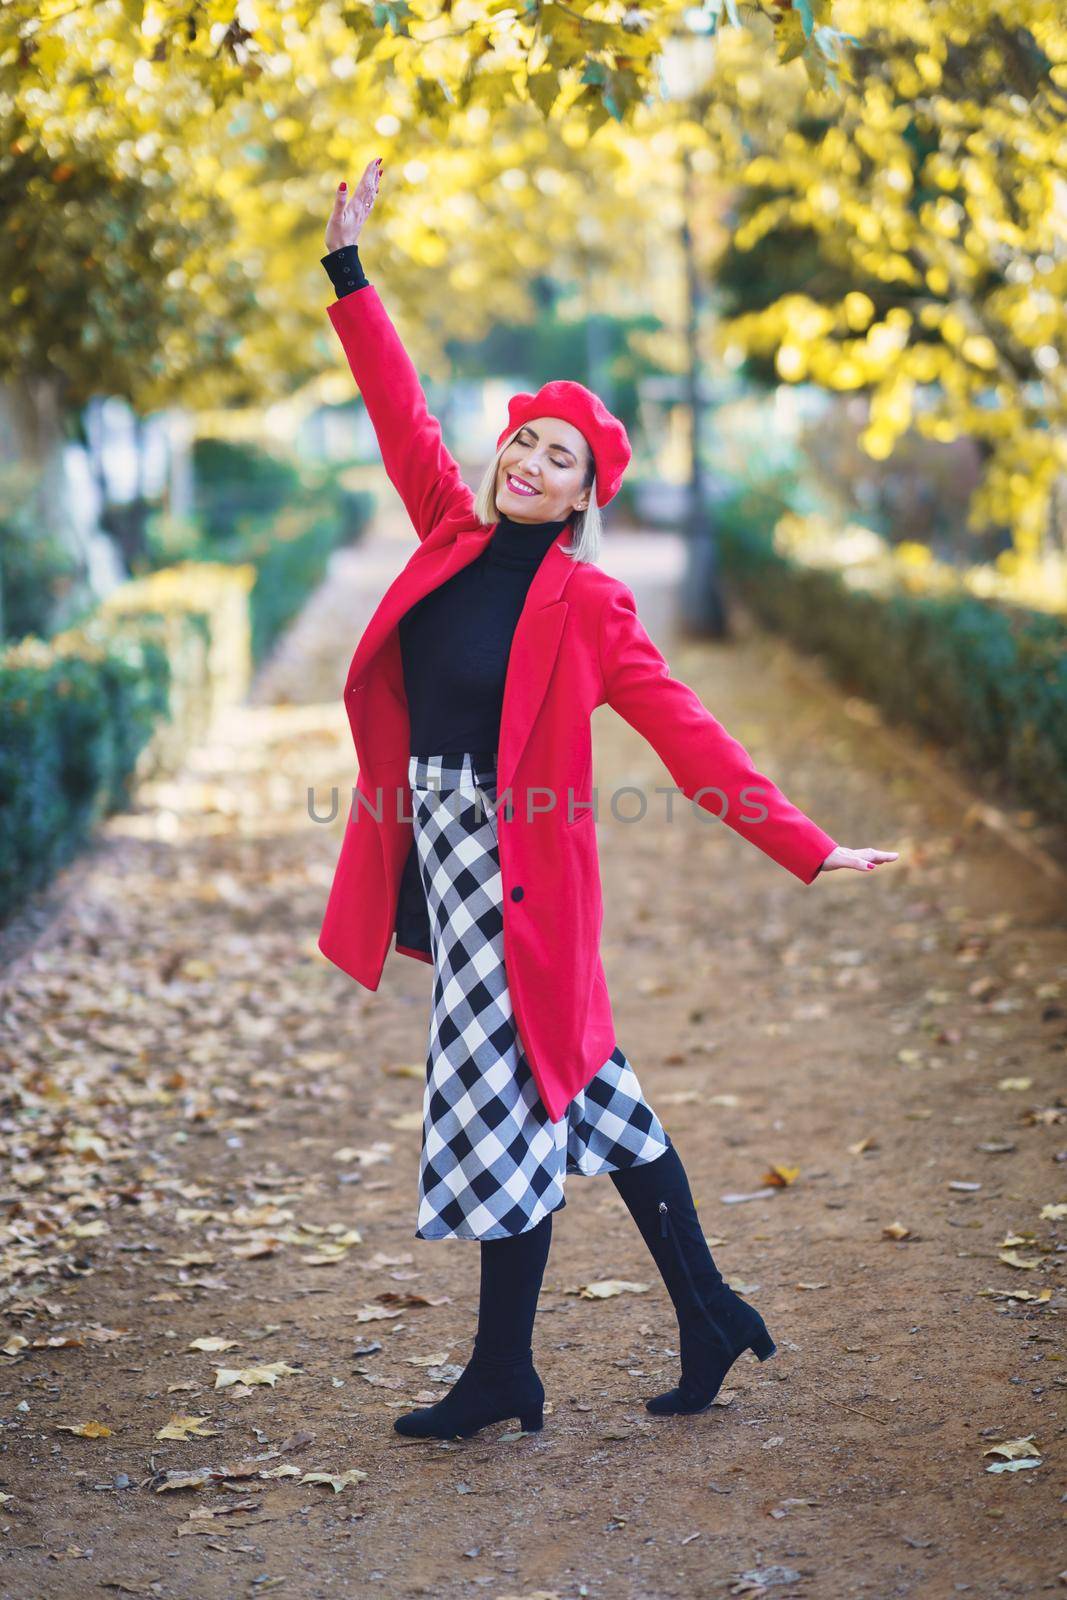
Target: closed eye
554	460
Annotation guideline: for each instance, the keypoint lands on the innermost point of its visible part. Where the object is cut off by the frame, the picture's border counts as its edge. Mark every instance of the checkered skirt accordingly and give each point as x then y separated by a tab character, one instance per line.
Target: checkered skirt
492	1163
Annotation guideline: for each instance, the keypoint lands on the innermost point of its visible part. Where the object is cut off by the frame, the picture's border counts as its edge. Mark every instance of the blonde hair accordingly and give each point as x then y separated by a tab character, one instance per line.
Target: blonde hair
586	526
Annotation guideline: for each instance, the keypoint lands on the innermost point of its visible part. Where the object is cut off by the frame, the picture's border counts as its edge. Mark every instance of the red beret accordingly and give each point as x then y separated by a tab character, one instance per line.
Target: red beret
604	433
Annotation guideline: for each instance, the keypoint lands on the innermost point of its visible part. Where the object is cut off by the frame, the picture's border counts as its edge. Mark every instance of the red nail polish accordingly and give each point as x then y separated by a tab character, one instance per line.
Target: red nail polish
344	185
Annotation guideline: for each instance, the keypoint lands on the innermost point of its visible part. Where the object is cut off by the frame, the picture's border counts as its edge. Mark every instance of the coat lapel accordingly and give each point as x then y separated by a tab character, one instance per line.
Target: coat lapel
429	569
534	647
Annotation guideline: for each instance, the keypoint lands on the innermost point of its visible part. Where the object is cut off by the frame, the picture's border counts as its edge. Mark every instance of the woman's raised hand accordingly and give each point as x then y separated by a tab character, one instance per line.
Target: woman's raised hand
859	860
351	210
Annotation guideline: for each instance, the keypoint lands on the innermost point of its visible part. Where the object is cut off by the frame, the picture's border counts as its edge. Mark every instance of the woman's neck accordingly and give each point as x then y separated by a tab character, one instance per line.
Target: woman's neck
523	544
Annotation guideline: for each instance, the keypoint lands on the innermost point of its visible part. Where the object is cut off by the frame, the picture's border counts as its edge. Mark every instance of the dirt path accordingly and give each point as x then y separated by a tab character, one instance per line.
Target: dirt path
199	1111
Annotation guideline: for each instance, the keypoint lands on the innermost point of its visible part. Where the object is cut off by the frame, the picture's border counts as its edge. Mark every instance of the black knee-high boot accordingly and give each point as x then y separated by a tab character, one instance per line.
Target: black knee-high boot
714	1324
499	1380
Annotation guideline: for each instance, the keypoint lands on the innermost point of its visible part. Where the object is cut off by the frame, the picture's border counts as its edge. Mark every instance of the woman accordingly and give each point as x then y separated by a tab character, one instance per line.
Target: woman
469	696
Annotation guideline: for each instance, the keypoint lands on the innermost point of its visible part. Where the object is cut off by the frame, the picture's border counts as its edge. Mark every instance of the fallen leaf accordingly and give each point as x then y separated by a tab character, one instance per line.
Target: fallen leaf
1015	1449
353	1475
1015	1083
86	1430
779	1176
407	1122
269	1374
183	1427
896	1230
185	1480
607	1288
1041	1297
374	1314
256	1248
212	1342
396	1297
1011	1258
205	1512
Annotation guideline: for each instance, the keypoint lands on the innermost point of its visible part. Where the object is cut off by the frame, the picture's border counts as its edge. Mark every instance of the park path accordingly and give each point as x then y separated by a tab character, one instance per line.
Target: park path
201	1115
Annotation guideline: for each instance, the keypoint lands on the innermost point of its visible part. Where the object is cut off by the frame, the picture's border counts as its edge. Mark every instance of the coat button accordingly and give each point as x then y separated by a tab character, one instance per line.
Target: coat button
517	892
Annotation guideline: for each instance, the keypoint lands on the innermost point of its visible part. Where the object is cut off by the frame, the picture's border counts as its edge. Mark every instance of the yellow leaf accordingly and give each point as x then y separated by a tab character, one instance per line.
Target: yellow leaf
183	1427
607	1288
375	1314
1014	1449
86	1430
269	1374
353	1475
407	1122
1011	1258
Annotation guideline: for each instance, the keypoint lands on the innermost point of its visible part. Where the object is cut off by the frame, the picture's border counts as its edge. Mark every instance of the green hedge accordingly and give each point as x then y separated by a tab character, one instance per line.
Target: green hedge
74	716
234	479
77	712
987	679
291	552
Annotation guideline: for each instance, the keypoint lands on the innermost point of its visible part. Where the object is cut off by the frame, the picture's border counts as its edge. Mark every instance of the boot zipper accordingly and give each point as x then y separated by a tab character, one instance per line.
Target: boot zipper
663	1220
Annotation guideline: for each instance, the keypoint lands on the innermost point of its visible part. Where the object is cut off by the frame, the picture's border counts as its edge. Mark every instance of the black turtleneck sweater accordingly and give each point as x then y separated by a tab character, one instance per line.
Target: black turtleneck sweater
456	640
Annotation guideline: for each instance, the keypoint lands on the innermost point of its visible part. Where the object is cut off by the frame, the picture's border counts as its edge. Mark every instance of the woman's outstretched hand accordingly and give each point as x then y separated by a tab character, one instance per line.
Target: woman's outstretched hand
859	860
351	210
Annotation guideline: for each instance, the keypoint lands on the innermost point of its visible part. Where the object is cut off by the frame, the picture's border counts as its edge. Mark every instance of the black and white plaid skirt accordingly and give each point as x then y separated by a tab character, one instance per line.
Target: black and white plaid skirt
492	1163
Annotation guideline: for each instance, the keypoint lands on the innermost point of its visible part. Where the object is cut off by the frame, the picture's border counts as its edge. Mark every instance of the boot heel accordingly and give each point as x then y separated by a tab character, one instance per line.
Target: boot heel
763	1346
532	1421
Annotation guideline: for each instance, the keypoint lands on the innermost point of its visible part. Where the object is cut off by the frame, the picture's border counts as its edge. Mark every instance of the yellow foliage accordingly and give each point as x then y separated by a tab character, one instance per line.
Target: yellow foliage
960	299
865	561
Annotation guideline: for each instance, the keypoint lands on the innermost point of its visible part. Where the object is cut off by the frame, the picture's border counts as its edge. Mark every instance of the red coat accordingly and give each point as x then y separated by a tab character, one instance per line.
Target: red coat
578	644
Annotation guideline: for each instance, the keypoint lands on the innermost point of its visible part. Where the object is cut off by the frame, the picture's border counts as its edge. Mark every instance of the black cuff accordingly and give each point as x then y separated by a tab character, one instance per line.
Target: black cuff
345	270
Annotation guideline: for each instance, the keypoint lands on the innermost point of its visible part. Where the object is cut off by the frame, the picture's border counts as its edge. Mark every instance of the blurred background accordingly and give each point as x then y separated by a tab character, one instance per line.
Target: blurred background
814	256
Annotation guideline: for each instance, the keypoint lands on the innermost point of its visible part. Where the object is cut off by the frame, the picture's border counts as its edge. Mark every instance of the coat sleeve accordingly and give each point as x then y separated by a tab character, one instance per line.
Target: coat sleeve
696	749
419	467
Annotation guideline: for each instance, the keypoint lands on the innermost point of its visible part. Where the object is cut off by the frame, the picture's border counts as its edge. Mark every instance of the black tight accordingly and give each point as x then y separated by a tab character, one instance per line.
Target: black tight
511	1274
